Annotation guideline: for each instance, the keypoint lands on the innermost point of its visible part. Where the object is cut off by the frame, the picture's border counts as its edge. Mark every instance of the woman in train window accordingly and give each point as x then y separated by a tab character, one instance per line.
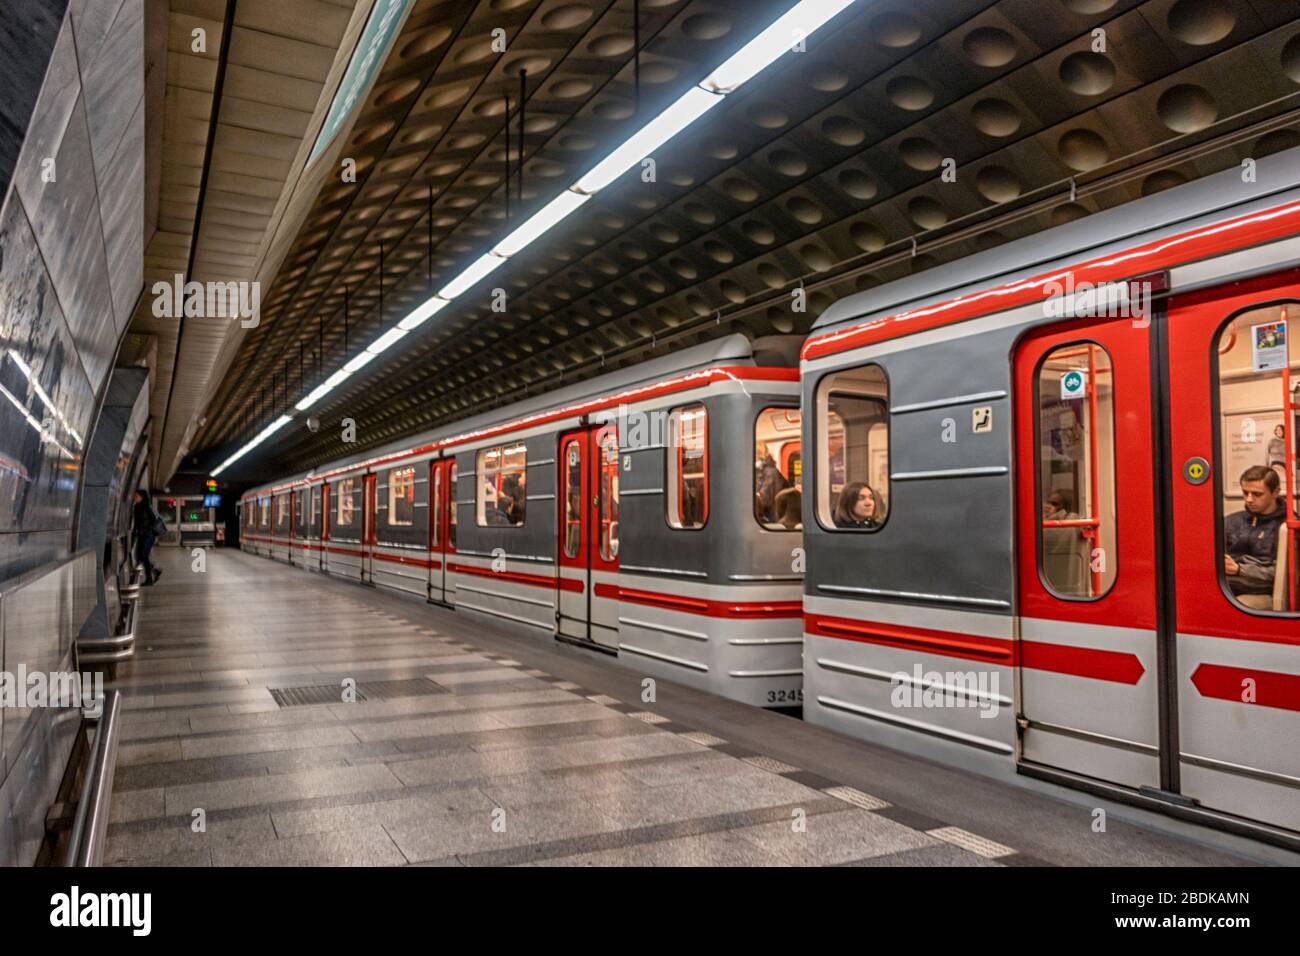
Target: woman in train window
859	507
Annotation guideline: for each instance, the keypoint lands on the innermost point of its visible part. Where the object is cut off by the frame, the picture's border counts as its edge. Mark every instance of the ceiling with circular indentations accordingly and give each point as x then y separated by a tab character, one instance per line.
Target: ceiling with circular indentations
910	133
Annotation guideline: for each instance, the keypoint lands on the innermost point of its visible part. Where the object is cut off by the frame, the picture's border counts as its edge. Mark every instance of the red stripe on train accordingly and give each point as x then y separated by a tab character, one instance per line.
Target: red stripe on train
994	650
1213	239
1116	666
520	577
402	559
748	610
1265	688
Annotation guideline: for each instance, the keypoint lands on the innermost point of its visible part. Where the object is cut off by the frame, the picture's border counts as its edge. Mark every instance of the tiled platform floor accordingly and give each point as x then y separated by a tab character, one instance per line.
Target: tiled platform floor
503	762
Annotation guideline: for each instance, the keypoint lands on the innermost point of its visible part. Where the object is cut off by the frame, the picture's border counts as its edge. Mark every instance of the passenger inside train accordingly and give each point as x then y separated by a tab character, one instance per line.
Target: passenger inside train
778	469
1250	536
1259	566
858	507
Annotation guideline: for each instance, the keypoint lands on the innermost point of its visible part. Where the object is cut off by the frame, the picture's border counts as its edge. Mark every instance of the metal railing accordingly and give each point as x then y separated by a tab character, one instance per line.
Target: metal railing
90	823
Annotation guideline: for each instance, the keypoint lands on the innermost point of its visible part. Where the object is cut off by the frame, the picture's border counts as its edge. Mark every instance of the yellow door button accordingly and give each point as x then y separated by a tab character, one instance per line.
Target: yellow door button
1196	470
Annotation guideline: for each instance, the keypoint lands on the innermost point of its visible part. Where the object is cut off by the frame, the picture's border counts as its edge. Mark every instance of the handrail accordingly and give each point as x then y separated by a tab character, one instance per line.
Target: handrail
90	823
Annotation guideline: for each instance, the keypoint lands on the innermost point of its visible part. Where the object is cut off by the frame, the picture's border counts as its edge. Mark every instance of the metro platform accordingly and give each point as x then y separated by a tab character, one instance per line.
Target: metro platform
474	747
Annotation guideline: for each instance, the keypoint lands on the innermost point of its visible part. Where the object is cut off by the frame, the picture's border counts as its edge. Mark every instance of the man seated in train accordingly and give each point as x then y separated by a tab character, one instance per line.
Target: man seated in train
1250	535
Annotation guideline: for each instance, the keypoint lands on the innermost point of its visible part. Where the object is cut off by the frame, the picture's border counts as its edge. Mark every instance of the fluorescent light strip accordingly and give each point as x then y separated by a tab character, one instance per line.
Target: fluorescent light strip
773	43
262	436
425	310
541	221
684	111
758	54
478	270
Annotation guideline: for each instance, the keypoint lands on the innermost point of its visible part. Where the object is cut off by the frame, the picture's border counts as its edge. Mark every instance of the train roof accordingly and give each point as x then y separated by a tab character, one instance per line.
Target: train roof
1148	218
734	348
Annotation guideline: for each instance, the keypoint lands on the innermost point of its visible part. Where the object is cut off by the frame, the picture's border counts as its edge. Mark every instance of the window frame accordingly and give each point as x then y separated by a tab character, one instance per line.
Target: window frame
754	446
389	487
672	448
345	495
480	502
817	444
608	507
1046	585
1216	441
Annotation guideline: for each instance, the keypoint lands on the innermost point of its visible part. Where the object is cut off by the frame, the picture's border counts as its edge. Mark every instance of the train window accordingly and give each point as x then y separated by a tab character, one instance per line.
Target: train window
778	469
502	475
401	497
265	509
454	506
1259	419
1076	471
343	517
853	449
688	467
572	458
315	508
435	507
607	493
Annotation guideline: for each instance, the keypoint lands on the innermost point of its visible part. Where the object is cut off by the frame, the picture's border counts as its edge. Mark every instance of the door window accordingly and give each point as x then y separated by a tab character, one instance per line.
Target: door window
1259	409
572	498
607	494
1076	471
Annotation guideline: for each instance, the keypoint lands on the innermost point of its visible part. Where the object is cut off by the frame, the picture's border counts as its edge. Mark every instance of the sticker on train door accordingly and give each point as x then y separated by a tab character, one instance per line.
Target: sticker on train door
981	419
1074	384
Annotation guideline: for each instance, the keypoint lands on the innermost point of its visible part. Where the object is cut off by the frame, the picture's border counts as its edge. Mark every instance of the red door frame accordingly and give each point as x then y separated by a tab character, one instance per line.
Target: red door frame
369	521
1134	600
581	439
1201	607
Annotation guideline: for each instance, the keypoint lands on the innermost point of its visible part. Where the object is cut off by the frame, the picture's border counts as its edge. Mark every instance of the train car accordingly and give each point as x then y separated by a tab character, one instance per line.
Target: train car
651	514
1045	484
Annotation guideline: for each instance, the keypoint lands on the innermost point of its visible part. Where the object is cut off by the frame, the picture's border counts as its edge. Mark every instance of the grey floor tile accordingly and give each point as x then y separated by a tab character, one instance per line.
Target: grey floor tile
835	838
266	789
364	846
174	837
263	741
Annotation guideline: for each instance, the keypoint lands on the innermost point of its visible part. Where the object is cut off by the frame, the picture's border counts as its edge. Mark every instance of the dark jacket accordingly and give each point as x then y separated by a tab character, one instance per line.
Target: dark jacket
1251	541
854	523
145	520
770	483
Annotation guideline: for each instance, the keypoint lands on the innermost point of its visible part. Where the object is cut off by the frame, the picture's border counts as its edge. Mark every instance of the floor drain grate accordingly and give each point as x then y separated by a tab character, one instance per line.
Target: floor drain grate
315	694
311	694
388	689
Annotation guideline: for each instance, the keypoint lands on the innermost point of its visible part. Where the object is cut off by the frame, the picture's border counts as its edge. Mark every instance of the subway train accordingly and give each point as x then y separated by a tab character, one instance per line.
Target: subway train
986	520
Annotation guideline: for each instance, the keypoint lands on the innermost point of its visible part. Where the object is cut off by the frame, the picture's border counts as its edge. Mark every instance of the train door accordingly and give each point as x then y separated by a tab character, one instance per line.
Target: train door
1090	648
438	496
587	585
325	523
368	530
1234	408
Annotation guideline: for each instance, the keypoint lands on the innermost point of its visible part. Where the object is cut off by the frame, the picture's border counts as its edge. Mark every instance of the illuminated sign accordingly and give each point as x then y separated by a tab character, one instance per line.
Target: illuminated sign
385	17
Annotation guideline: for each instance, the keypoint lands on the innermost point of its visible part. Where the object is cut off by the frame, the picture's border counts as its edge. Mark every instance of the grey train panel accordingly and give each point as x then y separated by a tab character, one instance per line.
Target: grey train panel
416	533
916	550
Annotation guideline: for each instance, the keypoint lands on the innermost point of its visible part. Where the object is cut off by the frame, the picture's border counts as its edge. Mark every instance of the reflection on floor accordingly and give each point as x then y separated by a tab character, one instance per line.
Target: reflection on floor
455	753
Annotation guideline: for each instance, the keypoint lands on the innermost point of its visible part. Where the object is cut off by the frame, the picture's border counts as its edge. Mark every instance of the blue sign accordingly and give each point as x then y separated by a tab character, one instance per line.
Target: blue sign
385	17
